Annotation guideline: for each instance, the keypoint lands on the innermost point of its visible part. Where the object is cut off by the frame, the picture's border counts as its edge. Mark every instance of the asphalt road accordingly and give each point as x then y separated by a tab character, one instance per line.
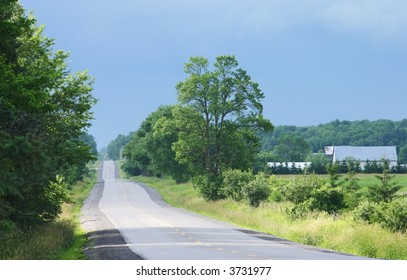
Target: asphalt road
154	230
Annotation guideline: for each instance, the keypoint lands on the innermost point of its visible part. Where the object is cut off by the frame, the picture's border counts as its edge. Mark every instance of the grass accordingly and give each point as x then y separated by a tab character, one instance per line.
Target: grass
40	243
79	192
337	233
62	239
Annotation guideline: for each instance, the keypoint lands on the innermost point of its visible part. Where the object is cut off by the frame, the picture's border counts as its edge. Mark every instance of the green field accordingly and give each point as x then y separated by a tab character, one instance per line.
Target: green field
339	233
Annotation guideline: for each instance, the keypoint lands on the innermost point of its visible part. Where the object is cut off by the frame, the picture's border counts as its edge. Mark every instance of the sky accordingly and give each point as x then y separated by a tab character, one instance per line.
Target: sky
315	60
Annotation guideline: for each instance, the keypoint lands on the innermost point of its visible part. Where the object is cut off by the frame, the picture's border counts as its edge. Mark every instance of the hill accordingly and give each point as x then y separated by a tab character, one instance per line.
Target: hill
336	133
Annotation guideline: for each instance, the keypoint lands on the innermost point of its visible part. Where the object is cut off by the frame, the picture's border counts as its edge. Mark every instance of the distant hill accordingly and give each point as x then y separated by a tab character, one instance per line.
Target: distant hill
336	133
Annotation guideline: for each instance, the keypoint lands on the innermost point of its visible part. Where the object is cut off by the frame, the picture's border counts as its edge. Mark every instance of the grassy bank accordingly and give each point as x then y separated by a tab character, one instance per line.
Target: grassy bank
340	233
70	212
62	239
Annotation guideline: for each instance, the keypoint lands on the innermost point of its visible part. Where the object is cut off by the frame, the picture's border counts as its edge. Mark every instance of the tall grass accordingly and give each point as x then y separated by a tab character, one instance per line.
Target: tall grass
79	192
38	243
340	233
62	239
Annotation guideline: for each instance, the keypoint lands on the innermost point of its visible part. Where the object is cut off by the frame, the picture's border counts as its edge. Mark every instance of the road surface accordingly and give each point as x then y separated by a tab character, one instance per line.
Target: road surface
157	231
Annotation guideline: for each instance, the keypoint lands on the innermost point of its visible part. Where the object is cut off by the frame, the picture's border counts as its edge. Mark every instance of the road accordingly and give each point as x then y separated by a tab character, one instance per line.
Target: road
157	231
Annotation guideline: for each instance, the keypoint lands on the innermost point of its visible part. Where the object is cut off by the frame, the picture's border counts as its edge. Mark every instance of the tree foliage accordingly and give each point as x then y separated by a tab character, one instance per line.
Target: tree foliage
387	190
149	152
219	111
115	147
291	148
44	110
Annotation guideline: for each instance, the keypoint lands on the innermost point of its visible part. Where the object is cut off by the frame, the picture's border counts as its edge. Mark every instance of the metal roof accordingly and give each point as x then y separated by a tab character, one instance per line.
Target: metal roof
365	153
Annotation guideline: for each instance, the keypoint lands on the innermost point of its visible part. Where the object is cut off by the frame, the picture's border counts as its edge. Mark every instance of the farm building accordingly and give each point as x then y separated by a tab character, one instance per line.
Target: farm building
299	165
362	154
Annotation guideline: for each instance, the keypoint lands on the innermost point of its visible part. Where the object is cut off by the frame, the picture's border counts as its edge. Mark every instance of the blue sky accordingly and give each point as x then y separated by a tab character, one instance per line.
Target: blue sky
315	60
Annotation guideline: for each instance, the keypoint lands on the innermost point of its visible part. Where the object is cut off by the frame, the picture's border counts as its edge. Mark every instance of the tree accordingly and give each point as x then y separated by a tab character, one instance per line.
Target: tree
44	109
217	115
319	163
387	190
163	135
351	185
136	159
403	154
115	146
291	148
261	164
90	141
150	150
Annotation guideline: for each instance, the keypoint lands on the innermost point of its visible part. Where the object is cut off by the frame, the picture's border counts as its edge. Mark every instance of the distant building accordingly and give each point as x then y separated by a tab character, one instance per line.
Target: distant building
299	165
362	154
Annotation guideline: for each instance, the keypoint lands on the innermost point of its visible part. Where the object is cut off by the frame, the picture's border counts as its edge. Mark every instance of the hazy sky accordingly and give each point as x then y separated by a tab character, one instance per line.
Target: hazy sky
315	60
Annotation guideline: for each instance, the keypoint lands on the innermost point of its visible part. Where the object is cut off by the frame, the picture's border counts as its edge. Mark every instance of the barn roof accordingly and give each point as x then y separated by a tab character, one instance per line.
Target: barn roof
365	153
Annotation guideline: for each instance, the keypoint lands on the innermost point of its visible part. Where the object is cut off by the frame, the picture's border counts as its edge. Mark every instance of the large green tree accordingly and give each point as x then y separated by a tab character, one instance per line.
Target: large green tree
218	114
44	109
150	150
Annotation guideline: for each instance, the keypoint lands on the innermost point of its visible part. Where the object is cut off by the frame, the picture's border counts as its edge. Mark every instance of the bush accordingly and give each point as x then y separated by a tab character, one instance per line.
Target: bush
395	216
391	215
234	182
299	210
299	189
257	190
369	212
276	189
209	186
327	199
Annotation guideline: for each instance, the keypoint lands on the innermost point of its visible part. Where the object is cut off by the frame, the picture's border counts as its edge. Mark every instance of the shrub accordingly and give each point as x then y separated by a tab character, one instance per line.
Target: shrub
391	215
387	189
257	190
395	215
209	186
276	189
367	211
299	189
299	210
234	182
327	199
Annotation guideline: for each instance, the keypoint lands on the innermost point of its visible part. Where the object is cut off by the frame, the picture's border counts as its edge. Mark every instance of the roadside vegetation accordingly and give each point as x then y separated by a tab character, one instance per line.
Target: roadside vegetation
340	231
45	110
61	239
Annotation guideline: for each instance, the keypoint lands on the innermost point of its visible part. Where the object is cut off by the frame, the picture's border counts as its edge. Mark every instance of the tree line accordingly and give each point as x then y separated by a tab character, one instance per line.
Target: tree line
45	110
295	143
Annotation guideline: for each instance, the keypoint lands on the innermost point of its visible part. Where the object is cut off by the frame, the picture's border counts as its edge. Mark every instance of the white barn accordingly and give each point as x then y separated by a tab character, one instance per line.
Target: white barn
363	154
